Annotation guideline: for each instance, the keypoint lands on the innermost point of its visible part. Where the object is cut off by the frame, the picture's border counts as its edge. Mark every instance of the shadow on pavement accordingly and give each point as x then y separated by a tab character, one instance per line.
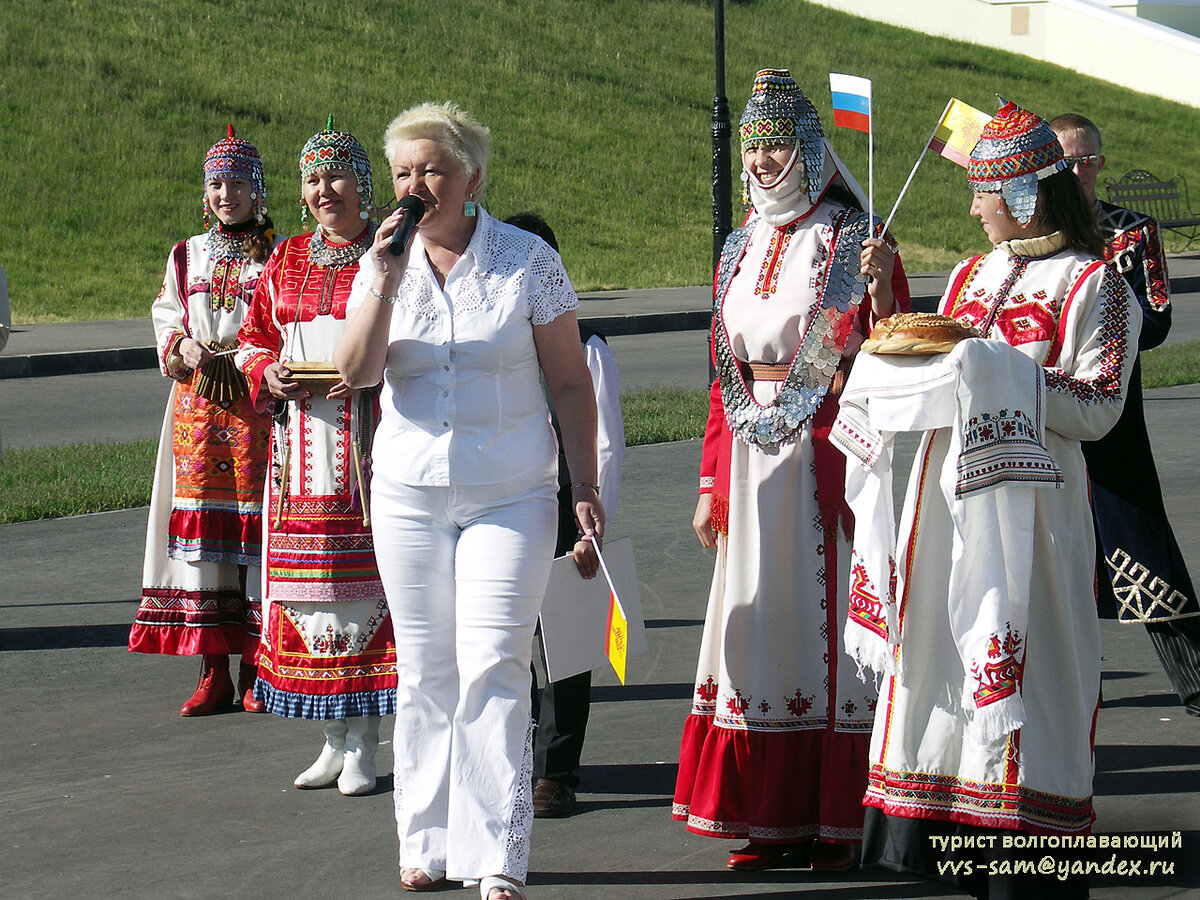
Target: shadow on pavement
642	778
614	693
63	637
741	882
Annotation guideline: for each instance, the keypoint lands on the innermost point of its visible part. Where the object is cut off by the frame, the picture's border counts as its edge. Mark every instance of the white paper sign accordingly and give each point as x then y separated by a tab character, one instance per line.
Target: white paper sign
575	612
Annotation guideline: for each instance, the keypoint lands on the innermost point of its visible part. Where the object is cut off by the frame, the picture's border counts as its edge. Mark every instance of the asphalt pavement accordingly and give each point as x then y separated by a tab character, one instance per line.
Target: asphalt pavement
106	791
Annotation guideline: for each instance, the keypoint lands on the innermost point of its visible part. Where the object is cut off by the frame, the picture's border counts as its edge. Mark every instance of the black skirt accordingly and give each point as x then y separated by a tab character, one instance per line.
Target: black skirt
972	859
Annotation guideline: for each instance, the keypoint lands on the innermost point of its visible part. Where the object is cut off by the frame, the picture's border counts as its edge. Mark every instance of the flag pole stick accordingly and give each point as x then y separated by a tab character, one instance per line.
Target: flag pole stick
611	587
924	150
871	162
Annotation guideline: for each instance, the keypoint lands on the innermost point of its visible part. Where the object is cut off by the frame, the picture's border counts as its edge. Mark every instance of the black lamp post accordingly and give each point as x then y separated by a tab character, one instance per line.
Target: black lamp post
722	206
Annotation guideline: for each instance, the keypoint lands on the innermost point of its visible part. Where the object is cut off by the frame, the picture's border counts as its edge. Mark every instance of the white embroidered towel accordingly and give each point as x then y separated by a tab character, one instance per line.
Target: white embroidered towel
883	395
998	442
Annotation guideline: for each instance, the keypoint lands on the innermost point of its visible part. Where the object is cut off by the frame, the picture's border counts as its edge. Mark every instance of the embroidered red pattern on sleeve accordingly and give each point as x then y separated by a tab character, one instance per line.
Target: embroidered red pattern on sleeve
1105	385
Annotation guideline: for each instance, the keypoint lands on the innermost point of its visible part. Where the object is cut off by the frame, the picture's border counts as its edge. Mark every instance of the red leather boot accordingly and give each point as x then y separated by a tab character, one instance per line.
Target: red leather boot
214	690
247	675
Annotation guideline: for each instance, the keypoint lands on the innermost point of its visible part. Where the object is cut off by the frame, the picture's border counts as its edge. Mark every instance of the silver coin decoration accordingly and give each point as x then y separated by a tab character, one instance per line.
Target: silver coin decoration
813	367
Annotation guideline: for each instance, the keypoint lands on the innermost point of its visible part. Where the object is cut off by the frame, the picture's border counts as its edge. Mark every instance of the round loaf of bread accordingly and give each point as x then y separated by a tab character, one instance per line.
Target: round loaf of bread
916	334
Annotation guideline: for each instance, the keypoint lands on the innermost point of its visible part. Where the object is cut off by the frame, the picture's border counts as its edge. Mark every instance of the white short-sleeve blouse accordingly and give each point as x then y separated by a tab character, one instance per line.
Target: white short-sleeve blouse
462	401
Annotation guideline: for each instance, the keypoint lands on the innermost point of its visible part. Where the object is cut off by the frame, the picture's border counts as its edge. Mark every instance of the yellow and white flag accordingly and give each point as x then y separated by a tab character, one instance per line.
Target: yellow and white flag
954	137
958	132
616	635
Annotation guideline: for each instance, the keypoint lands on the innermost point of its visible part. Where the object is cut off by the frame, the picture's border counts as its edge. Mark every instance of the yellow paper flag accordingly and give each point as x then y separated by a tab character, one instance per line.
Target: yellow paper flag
616	635
616	639
958	132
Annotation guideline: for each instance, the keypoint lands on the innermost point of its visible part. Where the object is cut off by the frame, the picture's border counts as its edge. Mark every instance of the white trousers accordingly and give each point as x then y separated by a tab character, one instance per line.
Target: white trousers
465	570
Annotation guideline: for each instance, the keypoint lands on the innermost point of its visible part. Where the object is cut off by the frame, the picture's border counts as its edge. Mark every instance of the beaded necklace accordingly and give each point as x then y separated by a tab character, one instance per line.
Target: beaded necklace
224	242
337	256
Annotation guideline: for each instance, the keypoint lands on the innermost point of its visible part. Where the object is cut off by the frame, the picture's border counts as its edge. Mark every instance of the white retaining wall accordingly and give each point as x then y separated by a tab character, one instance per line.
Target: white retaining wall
1087	37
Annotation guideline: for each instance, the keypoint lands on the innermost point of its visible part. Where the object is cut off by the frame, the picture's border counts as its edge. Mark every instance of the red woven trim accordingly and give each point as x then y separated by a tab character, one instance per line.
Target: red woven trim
179	256
168	348
946	798
216	531
950	301
1061	333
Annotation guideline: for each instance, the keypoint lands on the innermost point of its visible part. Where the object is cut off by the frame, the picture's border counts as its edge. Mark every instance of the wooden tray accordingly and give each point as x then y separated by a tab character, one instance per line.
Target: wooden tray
316	377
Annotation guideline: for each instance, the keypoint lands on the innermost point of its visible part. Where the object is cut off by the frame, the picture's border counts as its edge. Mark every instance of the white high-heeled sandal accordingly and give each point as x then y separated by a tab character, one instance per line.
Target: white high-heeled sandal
516	890
435	879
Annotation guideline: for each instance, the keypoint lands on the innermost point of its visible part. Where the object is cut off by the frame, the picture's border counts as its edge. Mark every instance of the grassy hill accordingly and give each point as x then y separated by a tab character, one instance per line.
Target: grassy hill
600	112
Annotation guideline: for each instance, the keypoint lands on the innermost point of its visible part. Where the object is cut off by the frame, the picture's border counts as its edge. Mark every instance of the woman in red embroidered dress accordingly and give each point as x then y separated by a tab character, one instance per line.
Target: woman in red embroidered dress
203	544
327	648
775	748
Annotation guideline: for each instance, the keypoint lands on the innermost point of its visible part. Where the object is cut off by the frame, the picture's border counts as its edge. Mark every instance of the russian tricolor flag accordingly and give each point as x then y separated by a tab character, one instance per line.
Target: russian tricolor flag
851	101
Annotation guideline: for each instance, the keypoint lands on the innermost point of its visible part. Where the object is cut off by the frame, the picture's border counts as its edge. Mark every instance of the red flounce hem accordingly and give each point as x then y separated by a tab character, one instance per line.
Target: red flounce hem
187	640
777	787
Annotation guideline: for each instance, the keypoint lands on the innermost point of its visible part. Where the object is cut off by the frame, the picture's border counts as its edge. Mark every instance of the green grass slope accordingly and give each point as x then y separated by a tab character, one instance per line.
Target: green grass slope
600	113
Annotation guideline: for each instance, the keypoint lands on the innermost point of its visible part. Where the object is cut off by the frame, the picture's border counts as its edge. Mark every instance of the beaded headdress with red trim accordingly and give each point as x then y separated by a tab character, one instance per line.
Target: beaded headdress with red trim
1015	151
235	157
331	149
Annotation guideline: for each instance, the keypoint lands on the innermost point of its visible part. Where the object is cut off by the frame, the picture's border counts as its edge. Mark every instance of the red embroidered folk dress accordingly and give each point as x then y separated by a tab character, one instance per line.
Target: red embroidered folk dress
203	543
1076	317
327	650
775	747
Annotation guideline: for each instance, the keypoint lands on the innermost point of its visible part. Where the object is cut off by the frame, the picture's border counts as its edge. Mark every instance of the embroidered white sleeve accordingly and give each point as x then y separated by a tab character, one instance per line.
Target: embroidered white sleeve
551	292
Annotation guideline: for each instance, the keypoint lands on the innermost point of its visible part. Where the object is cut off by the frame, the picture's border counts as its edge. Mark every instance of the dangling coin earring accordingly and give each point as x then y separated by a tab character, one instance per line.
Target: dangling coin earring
303	214
469	207
362	202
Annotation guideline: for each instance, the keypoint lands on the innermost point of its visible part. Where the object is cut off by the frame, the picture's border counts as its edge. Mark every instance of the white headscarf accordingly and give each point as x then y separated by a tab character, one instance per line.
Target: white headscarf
788	199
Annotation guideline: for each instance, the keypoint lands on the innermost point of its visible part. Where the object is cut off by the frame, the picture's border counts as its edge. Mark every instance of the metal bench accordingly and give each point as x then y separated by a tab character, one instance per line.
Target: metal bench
1166	201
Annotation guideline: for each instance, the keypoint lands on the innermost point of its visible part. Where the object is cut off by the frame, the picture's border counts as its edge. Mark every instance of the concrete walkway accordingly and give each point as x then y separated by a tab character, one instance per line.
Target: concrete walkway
106	791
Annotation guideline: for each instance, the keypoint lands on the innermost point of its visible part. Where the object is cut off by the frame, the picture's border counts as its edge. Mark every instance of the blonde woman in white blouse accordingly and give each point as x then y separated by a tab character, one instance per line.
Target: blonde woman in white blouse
465	461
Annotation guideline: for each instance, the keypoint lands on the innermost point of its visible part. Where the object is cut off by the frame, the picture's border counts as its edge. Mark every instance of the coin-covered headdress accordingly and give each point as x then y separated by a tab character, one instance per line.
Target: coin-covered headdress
778	112
1015	151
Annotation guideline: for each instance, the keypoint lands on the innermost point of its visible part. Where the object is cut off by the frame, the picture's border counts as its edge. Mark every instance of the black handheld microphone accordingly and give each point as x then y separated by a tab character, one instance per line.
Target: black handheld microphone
414	211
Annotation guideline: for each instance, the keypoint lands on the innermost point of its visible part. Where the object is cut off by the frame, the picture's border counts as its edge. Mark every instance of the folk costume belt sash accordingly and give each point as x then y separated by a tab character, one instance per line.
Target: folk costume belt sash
760	371
812	369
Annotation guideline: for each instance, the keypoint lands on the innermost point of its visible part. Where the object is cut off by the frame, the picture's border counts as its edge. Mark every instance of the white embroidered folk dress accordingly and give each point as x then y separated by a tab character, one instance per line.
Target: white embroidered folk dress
1076	318
774	748
201	570
465	514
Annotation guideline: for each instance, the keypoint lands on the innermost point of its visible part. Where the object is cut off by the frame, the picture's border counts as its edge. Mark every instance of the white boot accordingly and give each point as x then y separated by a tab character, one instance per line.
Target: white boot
328	766
358	768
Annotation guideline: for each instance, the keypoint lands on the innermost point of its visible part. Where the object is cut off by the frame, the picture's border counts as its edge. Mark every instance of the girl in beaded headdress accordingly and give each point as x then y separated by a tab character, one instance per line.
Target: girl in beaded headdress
203	544
774	750
327	649
988	726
